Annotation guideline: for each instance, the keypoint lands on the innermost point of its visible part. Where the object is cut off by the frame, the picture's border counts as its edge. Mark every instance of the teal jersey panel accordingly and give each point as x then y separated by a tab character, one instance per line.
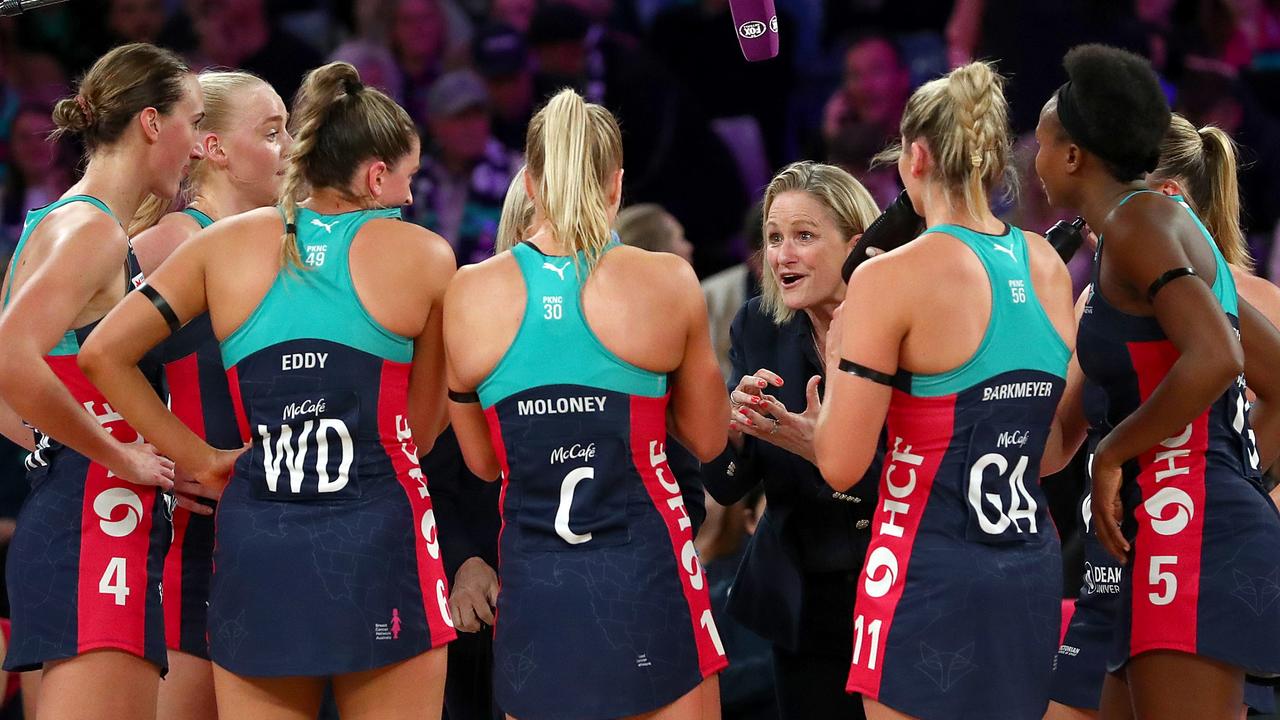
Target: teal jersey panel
203	220
554	345
69	344
319	301
1224	284
1019	334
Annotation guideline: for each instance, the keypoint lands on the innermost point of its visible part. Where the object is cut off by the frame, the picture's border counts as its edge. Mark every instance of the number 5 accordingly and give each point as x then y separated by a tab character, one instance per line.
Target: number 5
1156	577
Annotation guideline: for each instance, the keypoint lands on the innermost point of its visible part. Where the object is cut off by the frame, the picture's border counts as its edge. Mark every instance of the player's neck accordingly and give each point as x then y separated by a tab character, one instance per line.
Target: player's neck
102	181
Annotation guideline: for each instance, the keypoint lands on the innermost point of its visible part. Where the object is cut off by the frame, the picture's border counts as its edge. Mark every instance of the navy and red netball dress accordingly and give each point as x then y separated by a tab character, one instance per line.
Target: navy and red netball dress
1081	664
959	600
1204	576
84	567
604	610
327	560
199	396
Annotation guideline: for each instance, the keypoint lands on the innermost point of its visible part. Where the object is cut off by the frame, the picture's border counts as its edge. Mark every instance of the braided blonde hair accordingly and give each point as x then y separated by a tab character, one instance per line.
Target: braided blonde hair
964	118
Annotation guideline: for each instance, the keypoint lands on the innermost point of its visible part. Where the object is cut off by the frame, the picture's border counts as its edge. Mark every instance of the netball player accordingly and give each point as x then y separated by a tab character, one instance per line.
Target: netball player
1158	337
1198	166
84	565
328	316
243	138
960	339
567	356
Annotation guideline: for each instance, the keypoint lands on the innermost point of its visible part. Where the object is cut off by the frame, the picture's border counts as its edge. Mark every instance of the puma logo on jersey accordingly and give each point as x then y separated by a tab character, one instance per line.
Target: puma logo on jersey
328	227
557	270
1005	250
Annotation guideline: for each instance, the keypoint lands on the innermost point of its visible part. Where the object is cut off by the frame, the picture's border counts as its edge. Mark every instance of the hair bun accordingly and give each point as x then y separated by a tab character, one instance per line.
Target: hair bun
352	86
72	115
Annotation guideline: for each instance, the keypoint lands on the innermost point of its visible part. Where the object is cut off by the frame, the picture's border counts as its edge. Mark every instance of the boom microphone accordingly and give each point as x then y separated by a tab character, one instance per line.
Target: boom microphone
756	23
17	7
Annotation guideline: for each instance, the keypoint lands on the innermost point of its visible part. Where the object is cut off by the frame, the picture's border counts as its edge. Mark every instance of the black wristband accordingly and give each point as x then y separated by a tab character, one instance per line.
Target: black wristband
1166	278
862	371
166	312
464	397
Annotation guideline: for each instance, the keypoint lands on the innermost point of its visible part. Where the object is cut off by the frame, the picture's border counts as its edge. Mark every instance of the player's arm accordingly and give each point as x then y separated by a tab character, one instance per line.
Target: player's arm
861	359
699	409
173	295
428	406
468	419
155	244
1070	426
1261	343
84	258
1210	356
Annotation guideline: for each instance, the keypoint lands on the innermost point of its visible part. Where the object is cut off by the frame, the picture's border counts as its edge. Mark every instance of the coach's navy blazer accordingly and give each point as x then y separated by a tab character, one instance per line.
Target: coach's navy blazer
807	527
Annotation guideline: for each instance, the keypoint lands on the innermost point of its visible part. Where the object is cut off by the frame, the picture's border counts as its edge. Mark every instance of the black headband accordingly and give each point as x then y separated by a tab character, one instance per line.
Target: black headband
1072	119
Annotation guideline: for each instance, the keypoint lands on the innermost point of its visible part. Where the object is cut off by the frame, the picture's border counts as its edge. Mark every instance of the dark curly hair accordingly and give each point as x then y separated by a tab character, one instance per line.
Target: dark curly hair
1114	107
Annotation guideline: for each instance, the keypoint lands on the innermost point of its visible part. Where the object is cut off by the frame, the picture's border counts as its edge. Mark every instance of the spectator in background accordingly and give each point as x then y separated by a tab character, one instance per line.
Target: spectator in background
135	20
873	91
40	172
696	43
855	148
238	34
10	102
673	158
502	58
39	78
418	40
465	170
649	227
728	290
376	64
1207	96
517	14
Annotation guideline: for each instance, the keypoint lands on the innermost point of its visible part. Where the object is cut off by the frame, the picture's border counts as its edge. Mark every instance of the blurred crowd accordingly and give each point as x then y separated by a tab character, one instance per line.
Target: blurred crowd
703	129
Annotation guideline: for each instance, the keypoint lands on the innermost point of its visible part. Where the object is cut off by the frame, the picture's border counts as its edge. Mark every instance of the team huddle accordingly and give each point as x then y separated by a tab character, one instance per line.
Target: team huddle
256	337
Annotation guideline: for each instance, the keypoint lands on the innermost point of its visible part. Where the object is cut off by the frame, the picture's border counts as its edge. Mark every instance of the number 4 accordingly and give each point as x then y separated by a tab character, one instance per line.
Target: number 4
113	581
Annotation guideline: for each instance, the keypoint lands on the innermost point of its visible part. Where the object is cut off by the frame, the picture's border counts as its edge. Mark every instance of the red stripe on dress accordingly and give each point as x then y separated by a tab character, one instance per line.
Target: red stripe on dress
184	392
920	431
233	386
115	536
397	442
186	403
648	452
1167	549
499	450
